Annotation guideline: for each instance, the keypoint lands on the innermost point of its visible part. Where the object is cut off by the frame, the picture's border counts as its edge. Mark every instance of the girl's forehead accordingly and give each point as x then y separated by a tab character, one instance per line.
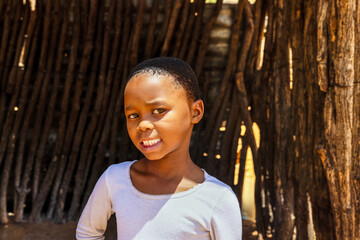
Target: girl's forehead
155	82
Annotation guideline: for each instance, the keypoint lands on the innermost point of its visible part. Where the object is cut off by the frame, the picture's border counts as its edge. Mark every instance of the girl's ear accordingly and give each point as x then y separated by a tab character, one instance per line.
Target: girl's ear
197	111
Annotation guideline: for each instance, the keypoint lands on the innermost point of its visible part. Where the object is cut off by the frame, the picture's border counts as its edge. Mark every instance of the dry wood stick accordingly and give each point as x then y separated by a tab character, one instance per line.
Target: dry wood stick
135	42
188	31
73	118
7	52
43	61
117	113
37	153
181	28
195	153
171	27
229	72
204	40
57	155
161	36
226	146
5	36
212	164
196	32
254	52
22	108
23	190
14	70
18	118
68	175
92	135
152	27
241	84
242	162
8	46
233	157
84	11
3	51
19	48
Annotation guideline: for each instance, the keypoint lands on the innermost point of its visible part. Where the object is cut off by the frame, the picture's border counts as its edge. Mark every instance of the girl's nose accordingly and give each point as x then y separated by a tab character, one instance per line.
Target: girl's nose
145	125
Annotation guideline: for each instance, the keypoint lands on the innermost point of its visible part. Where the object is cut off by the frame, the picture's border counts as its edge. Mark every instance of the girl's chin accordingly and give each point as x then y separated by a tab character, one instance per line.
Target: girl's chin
152	158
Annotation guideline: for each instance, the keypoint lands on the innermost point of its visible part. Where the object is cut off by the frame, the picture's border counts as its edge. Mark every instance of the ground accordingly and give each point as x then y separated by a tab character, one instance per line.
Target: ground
52	231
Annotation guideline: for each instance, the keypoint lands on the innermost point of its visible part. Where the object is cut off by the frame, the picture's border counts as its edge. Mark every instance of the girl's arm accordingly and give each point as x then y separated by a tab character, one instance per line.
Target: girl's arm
226	220
94	218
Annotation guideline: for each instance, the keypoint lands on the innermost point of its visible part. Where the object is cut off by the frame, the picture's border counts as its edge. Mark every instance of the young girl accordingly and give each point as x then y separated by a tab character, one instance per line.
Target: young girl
164	195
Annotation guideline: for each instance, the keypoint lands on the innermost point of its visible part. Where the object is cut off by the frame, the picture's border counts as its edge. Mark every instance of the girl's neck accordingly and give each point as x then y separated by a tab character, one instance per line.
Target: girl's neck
169	167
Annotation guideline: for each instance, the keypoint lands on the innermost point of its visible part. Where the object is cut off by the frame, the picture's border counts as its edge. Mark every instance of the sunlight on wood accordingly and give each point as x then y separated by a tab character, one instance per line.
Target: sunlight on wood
21	60
291	72
32	5
260	58
311	229
248	196
223	126
237	163
243	130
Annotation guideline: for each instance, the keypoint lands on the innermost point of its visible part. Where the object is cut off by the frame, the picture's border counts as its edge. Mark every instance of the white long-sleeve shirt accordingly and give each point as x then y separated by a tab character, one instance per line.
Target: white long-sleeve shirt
209	210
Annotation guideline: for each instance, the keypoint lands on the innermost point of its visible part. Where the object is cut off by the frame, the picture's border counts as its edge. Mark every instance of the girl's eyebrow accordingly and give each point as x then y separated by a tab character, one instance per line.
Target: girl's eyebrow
128	107
156	102
151	103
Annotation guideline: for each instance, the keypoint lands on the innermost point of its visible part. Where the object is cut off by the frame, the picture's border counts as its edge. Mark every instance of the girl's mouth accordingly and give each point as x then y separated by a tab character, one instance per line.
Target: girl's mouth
150	144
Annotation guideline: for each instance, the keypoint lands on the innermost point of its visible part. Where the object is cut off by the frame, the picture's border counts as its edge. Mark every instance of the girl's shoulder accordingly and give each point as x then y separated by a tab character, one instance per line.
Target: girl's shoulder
120	166
215	183
117	173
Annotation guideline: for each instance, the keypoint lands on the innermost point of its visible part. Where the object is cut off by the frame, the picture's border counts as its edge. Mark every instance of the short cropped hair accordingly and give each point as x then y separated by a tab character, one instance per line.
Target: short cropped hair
175	67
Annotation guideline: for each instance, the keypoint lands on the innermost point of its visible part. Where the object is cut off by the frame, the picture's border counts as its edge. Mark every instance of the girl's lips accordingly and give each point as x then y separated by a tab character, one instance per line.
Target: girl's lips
149	145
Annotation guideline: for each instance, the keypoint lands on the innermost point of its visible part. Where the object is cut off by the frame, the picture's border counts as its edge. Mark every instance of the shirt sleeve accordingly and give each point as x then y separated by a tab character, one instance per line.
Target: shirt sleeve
226	222
93	221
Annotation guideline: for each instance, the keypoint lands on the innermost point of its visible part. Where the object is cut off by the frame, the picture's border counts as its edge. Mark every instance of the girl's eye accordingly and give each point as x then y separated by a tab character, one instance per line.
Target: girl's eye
158	111
133	116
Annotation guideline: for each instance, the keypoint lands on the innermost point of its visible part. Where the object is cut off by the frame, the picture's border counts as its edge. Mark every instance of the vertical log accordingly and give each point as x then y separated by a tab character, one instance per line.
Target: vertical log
98	49
7	49
45	67
97	119
10	86
196	32
283	222
162	34
339	119
181	28
136	38
27	40
229	72
117	113
57	154
152	27
23	190
226	146
204	40
73	118
188	30
212	163
171	27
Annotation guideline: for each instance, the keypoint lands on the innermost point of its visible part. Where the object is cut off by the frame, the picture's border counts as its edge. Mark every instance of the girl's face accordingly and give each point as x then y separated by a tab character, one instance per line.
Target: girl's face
159	115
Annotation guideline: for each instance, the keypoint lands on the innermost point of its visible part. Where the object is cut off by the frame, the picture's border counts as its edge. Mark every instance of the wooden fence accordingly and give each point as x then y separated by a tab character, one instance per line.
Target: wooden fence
63	68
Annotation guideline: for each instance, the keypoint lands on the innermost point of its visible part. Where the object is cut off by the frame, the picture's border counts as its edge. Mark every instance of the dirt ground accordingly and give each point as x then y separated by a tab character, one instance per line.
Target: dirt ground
66	231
